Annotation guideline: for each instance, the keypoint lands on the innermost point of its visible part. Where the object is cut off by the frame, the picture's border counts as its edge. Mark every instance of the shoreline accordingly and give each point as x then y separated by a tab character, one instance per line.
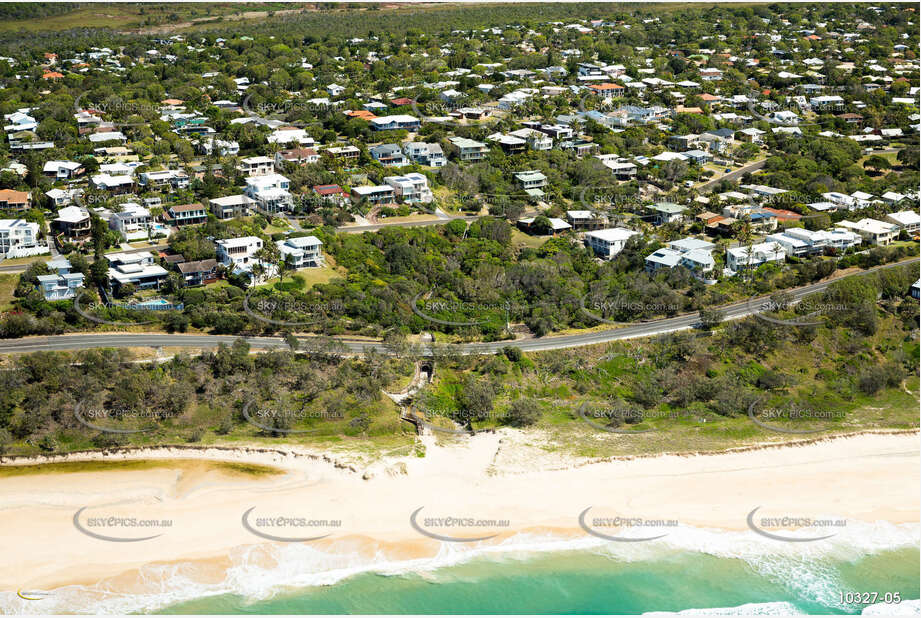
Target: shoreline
241	453
870	480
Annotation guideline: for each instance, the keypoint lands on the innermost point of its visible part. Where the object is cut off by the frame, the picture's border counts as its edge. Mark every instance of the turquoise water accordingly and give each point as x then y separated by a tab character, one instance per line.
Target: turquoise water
594	582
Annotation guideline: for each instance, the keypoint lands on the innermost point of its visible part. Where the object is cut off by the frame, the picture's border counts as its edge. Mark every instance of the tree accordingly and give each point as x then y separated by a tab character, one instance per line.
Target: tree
475	399
877	163
523	412
711	318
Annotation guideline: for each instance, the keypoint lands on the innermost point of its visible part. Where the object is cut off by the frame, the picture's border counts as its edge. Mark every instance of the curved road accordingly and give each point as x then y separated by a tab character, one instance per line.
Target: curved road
644	329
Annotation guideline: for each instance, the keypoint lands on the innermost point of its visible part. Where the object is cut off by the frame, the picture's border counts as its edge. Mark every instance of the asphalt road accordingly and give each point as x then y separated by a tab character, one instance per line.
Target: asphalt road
632	331
736	175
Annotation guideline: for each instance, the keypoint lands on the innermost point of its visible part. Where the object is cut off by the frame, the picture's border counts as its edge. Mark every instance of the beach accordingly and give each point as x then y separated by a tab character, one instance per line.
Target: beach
203	522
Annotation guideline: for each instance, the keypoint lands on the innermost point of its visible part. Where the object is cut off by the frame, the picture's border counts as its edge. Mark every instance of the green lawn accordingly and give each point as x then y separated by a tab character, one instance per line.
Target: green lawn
7	287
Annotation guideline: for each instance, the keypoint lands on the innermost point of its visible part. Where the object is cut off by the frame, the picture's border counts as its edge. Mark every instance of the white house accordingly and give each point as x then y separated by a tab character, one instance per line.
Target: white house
874	231
256	166
908	220
288	135
754	256
270	192
62	284
304	251
138	269
239	254
133	221
412	187
19	238
62	170
608	242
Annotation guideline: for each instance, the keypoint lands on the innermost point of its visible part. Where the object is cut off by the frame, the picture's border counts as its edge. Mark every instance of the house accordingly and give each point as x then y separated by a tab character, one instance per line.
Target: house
256	166
874	231
19	121
269	192
230	207
798	242
535	139
378	194
332	194
63	170
666	212
606	90
289	135
225	148
73	224
711	75
200	272
15	200
297	156
753	256
185	214
680	143
908	220
531	180
19	238
62	197
344	152
411	188
388	154
395	123
238	252
164	179
585	220
784	117
133	220
699	157
137	269
892	198
608	242
301	251
425	154
113	184
827	103
509	143
335	90
62	284
557	225
751	135
468	149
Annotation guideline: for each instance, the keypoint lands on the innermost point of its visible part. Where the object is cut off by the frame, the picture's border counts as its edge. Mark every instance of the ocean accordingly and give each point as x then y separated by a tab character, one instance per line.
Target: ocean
690	570
590	582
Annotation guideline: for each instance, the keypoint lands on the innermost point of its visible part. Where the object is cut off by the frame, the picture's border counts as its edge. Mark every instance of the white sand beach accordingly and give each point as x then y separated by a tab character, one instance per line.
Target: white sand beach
866	478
